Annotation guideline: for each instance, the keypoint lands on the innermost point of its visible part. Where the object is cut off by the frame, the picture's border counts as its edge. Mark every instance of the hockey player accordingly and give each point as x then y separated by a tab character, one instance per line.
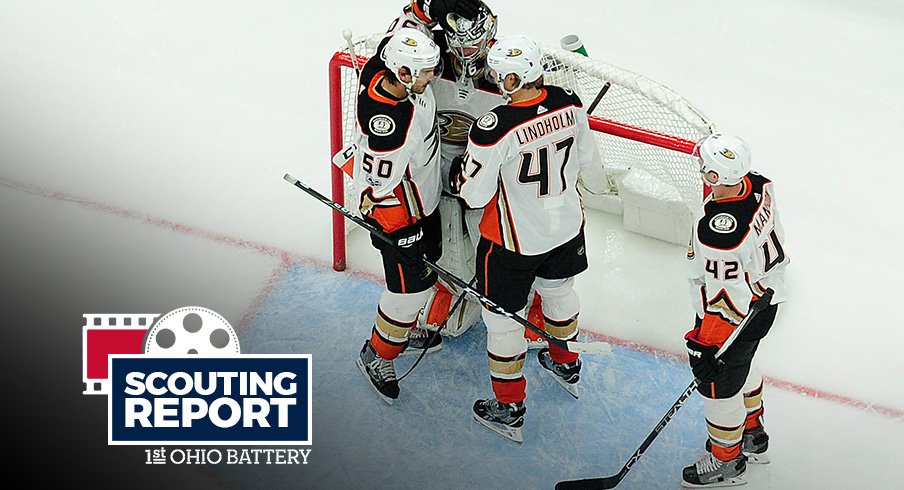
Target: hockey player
736	253
398	175
464	30
467	29
522	164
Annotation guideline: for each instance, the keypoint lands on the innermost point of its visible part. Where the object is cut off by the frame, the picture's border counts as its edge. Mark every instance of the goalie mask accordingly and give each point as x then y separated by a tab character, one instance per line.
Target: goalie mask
726	155
469	41
413	50
518	55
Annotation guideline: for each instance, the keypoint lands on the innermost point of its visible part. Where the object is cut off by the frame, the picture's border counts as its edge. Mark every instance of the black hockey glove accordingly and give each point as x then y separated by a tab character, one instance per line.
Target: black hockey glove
408	243
439	10
456	168
702	358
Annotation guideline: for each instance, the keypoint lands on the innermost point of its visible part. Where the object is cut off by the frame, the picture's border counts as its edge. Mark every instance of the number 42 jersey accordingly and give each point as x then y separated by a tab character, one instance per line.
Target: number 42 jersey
737	251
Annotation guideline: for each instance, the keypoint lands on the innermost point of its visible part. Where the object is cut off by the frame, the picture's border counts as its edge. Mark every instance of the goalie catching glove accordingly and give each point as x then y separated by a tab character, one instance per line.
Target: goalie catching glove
456	179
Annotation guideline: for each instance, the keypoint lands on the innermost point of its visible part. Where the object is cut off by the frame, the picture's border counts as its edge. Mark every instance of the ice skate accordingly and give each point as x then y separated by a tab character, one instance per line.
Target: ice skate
506	419
567	375
380	372
421	338
711	472
754	445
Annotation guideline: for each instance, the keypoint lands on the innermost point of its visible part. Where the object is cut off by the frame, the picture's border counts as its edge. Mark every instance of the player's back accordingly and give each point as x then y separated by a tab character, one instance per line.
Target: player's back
533	145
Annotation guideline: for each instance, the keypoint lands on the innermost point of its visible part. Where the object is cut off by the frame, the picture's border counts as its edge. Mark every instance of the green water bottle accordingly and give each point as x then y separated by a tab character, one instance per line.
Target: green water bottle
573	43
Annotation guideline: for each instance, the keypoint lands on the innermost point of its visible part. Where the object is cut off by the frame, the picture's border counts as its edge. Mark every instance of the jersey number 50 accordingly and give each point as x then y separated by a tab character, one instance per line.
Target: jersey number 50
384	167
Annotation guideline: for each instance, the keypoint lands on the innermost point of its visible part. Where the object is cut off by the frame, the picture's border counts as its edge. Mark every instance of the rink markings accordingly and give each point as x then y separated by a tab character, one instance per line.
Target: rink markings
287	259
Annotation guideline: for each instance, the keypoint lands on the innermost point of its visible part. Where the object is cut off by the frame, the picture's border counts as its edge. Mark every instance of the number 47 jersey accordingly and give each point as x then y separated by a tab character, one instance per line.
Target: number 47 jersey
523	161
737	251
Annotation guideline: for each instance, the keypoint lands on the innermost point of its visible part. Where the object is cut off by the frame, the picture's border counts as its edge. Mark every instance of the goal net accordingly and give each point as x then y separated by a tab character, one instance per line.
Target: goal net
645	132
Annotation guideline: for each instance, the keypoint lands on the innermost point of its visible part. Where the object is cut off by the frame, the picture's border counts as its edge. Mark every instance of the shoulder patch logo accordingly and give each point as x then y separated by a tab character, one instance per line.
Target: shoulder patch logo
727	153
487	121
723	223
381	125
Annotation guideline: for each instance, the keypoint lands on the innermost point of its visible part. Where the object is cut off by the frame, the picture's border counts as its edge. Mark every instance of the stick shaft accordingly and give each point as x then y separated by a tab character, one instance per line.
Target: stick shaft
449	276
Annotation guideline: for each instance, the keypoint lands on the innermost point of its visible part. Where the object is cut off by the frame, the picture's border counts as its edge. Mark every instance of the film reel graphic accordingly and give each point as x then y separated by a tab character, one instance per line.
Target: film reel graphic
191	330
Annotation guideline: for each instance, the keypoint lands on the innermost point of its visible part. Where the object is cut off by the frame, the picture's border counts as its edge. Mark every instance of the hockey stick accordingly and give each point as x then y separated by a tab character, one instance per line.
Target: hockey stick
612	481
594	347
598	98
347	34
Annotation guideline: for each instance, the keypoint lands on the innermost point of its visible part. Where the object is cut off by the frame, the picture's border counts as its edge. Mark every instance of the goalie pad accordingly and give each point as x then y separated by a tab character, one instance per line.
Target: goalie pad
437	310
458	257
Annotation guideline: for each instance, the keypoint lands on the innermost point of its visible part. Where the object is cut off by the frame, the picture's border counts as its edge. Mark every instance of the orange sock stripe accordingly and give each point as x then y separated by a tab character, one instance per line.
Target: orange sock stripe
753	419
509	390
561	355
726	453
384	348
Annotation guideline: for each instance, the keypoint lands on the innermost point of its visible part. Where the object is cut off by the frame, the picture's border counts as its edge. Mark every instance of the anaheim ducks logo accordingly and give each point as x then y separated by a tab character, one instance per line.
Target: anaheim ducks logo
723	223
513	52
727	153
454	127
410	42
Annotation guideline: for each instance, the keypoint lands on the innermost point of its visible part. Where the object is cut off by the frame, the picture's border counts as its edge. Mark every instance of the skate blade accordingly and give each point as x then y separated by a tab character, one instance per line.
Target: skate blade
757	458
571	388
730	482
510	433
361	367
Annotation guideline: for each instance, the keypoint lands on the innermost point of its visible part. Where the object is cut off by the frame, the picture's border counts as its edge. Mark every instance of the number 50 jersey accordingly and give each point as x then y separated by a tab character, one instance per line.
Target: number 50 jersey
397	167
523	161
737	251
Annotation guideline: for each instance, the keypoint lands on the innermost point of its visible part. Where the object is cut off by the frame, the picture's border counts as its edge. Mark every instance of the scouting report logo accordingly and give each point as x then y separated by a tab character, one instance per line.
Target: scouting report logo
180	378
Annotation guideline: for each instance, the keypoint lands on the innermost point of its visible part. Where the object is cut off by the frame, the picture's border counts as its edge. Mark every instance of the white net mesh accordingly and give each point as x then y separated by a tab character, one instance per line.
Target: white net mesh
632	101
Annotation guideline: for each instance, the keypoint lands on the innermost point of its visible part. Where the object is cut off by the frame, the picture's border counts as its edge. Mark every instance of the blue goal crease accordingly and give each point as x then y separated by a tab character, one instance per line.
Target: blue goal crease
427	438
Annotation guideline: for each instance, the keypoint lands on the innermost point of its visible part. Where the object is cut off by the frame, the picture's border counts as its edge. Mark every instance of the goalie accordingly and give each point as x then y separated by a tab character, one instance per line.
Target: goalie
464	30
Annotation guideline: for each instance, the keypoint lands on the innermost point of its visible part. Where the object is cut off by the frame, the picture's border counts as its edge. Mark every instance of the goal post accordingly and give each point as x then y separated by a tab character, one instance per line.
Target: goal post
645	133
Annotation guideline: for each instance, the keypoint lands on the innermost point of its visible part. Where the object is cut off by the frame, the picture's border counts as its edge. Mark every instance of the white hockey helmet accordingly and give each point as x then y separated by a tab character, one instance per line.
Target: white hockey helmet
413	50
469	41
726	155
515	54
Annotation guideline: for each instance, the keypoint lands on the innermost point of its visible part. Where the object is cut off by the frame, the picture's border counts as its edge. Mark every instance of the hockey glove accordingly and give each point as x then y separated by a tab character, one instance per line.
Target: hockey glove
456	168
702	357
439	10
407	243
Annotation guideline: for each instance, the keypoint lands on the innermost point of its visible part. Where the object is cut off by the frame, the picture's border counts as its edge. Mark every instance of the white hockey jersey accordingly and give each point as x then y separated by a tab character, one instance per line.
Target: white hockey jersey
459	100
737	251
397	169
522	162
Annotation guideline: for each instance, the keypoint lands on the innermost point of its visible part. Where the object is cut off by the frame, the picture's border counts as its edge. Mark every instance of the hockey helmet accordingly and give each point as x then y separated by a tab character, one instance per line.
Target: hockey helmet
413	50
726	155
470	40
517	55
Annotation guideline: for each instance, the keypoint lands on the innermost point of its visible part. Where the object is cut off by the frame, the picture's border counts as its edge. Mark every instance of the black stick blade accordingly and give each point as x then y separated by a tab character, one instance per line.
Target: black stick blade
589	483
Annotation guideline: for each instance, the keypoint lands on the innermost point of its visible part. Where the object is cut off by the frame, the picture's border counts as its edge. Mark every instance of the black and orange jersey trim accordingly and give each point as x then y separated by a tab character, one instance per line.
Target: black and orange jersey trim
742	210
497	224
512	116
